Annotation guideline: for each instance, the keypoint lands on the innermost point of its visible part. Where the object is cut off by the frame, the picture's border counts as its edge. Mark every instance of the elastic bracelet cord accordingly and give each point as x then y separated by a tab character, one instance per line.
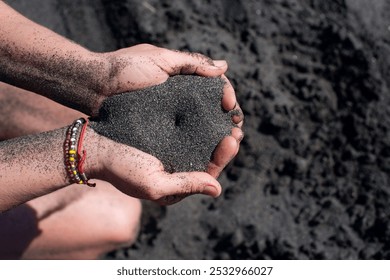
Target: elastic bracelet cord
83	156
74	155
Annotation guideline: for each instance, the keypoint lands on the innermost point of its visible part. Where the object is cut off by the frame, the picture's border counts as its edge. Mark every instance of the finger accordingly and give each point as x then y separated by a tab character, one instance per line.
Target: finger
229	100
223	154
195	63
187	183
240	124
237	134
237	115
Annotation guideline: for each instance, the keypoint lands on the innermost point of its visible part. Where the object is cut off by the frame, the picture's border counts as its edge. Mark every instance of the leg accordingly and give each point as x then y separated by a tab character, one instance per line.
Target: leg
73	223
24	112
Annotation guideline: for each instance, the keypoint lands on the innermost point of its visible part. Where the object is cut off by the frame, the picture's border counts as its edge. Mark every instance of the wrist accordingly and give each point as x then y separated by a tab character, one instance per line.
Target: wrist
113	66
95	154
98	74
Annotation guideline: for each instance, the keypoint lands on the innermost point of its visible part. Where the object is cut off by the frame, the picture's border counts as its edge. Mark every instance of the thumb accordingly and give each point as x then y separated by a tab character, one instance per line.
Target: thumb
196	63
188	183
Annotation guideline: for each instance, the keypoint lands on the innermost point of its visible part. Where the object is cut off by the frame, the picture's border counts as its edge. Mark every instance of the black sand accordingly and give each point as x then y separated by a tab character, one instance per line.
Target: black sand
180	121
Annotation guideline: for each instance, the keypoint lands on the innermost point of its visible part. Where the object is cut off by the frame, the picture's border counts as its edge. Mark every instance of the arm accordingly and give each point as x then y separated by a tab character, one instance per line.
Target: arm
33	166
34	58
30	167
37	59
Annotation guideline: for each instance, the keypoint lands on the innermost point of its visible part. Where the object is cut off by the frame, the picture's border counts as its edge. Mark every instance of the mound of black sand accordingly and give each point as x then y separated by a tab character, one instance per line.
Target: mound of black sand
180	121
312	178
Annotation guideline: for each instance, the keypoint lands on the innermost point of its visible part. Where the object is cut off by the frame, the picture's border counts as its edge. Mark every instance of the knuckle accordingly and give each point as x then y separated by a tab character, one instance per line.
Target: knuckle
146	46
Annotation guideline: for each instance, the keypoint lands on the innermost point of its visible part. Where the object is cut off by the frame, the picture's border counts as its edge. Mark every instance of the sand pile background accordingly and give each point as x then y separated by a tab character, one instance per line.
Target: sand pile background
313	78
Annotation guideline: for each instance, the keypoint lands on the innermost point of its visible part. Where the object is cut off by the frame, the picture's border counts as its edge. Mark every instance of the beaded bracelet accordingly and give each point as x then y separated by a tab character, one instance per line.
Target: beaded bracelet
74	159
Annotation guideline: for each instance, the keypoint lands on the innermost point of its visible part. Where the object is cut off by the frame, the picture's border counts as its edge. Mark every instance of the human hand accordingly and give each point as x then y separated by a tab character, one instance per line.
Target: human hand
79	78
146	65
143	176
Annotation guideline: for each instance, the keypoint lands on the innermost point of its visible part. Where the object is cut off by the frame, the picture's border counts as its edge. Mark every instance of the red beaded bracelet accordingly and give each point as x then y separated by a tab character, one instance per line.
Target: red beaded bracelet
74	158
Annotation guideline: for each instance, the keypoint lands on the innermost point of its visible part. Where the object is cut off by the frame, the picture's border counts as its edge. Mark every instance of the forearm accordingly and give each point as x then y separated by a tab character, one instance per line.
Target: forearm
37	59
33	166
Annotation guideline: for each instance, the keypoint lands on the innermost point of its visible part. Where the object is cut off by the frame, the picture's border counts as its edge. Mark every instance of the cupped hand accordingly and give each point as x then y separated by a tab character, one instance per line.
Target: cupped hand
142	175
146	65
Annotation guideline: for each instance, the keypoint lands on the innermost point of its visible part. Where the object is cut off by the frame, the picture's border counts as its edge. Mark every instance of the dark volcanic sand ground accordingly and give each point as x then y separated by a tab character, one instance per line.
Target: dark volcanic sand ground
313	77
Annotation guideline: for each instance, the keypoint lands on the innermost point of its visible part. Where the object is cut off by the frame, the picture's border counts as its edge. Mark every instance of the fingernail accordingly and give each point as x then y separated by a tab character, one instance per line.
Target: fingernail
220	63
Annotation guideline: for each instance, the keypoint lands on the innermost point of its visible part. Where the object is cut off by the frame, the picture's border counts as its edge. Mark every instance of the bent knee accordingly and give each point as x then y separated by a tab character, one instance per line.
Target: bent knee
125	223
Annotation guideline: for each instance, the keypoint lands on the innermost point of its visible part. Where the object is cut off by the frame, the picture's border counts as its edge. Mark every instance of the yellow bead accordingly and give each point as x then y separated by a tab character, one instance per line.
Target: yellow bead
71	159
81	182
72	152
74	172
